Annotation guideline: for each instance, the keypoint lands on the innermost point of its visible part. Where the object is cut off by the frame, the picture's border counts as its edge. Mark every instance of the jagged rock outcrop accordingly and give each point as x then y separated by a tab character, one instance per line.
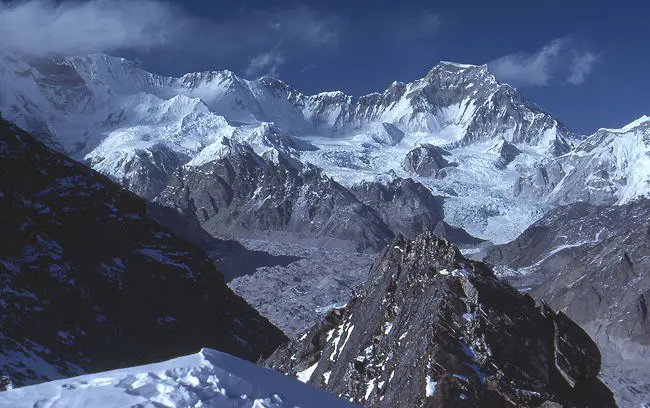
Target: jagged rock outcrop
409	208
5	383
427	161
244	194
592	263
90	282
433	329
507	153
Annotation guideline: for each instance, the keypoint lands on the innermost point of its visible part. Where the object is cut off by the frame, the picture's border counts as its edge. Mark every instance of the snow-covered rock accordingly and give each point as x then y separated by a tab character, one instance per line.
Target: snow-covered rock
206	379
507	153
612	166
427	161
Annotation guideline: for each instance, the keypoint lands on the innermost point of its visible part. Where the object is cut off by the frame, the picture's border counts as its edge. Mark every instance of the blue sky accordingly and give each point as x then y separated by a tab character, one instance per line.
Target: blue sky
584	61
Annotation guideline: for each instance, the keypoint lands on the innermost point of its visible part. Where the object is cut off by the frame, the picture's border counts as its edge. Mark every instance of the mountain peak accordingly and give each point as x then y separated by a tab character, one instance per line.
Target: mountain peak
459	65
195	79
636	123
460	68
273	83
432	328
453	73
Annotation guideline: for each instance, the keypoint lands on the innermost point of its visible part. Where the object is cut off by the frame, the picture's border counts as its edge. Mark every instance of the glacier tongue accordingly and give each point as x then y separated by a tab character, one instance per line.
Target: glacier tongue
208	379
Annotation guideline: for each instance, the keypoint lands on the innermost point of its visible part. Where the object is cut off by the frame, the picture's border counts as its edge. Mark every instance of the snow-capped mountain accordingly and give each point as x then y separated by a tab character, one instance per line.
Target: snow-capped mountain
206	379
434	329
455	152
138	127
89	281
611	166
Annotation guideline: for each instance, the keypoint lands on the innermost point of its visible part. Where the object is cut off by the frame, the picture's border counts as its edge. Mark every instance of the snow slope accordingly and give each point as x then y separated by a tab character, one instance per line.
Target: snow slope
206	379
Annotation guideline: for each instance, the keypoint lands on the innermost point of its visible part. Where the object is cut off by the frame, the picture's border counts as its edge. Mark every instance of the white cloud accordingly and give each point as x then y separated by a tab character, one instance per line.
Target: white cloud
272	37
169	35
528	69
41	27
307	68
267	63
560	60
581	67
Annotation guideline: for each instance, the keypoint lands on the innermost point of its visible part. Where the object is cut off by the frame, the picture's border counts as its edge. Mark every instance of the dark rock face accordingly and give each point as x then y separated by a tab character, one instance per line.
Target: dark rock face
427	161
89	282
433	329
583	259
592	262
507	153
231	257
244	194
5	383
409	208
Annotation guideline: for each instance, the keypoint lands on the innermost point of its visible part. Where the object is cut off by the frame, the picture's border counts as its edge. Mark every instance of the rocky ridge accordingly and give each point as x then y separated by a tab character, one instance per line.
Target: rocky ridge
432	329
88	279
247	195
592	263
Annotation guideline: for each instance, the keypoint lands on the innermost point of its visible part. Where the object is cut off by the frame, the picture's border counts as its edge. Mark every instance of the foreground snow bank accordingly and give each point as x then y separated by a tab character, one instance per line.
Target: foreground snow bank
206	379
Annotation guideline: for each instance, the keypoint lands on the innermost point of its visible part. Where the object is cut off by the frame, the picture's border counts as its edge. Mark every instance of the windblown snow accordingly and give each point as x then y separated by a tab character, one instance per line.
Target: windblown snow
206	379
